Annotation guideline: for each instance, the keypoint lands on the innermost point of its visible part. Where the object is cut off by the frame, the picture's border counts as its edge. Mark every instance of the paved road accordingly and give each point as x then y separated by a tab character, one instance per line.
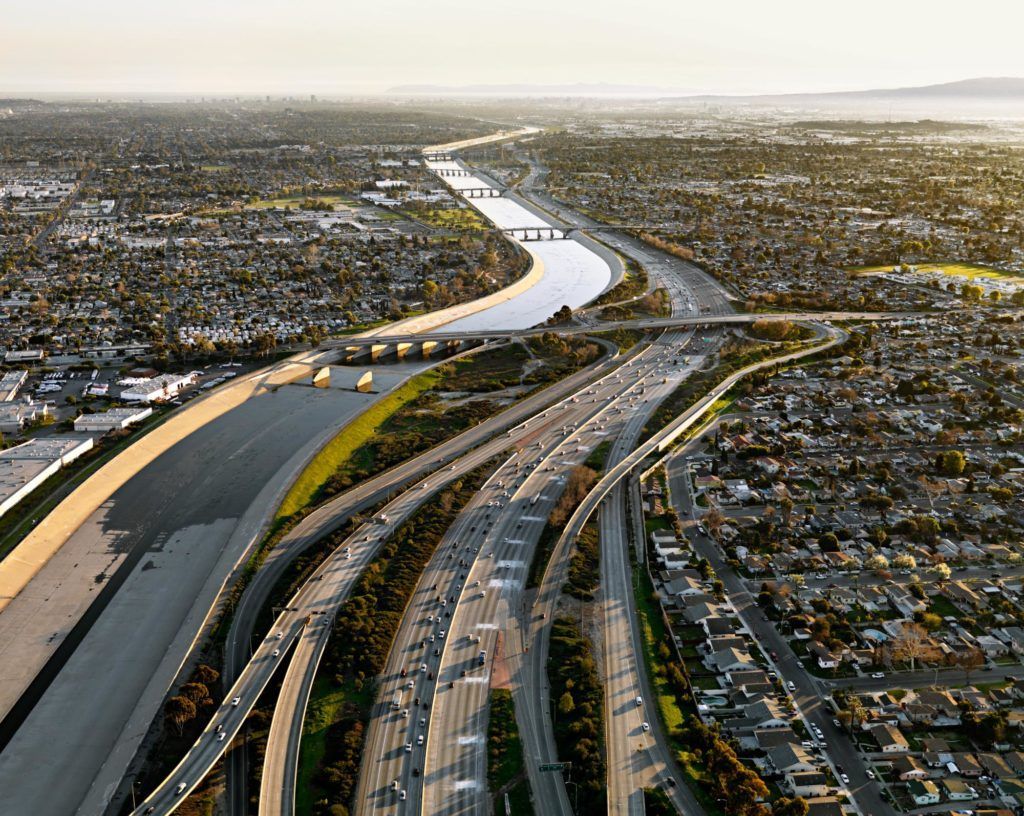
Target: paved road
454	770
639	324
336	512
282	747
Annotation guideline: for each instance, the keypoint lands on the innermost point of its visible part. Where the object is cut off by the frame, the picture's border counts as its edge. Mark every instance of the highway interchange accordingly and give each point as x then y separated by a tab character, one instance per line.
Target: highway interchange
471	605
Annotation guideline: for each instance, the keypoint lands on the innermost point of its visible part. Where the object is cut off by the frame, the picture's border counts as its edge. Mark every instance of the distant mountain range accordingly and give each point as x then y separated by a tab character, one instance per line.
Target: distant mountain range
994	88
991	88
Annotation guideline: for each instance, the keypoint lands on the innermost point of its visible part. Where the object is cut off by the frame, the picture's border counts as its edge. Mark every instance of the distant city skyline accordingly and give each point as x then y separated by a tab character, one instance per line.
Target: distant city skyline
333	49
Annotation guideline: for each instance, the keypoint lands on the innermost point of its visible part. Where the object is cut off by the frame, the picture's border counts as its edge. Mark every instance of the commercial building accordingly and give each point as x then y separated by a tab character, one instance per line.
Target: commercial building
10	383
14	416
24	467
115	419
159	388
26	356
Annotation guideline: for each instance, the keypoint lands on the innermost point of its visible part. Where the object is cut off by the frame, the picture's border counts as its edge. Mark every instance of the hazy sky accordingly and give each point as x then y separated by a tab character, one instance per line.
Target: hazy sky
359	46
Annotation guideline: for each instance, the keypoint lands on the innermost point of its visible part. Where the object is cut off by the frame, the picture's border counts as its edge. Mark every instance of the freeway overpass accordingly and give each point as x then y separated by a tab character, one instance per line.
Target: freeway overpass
427	344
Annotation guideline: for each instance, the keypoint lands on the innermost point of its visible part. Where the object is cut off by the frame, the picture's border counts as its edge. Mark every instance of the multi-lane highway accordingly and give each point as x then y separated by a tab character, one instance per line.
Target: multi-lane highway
495	539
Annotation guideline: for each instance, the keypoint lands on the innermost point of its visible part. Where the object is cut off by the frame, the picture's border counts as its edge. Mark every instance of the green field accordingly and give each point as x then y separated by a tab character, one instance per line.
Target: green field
451	219
958	270
340	449
326	702
296	201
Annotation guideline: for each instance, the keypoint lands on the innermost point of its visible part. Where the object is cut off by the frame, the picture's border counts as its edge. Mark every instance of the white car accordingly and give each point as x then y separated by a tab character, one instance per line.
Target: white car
645	726
221	736
791	685
408	747
235	701
845	778
878	675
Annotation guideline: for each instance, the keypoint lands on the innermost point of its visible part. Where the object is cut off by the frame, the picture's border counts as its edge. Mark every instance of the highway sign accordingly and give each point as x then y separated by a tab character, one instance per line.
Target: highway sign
555	766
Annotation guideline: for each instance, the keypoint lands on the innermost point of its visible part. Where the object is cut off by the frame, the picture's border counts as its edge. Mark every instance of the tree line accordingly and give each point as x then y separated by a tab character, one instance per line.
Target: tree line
579	712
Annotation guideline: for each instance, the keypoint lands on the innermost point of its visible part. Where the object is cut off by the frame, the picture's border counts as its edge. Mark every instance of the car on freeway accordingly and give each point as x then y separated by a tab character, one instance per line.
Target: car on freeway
845	778
645	726
401	795
221	736
639	701
235	701
181	788
419	740
408	747
277	653
791	685
878	675
870	774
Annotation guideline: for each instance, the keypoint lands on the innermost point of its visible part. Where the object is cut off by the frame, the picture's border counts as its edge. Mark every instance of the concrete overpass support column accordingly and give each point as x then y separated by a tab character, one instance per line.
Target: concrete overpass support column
401	349
376	350
322	378
365	383
427	347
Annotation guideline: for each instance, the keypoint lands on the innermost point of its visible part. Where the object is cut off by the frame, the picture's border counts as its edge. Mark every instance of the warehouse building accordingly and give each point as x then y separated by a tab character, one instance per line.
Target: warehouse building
116	419
14	416
159	388
24	467
10	383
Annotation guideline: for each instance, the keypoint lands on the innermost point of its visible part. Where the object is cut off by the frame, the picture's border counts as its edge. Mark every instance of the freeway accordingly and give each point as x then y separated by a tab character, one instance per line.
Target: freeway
532	488
452	778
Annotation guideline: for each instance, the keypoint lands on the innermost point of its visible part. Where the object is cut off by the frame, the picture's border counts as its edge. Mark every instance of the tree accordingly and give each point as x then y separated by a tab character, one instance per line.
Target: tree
785	806
196	692
913	644
713	521
969	661
877	562
941	572
206	675
179	710
904	562
566	705
951	463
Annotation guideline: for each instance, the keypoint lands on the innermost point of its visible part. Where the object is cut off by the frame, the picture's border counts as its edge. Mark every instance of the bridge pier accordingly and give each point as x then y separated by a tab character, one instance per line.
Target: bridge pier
322	378
427	347
402	349
364	384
